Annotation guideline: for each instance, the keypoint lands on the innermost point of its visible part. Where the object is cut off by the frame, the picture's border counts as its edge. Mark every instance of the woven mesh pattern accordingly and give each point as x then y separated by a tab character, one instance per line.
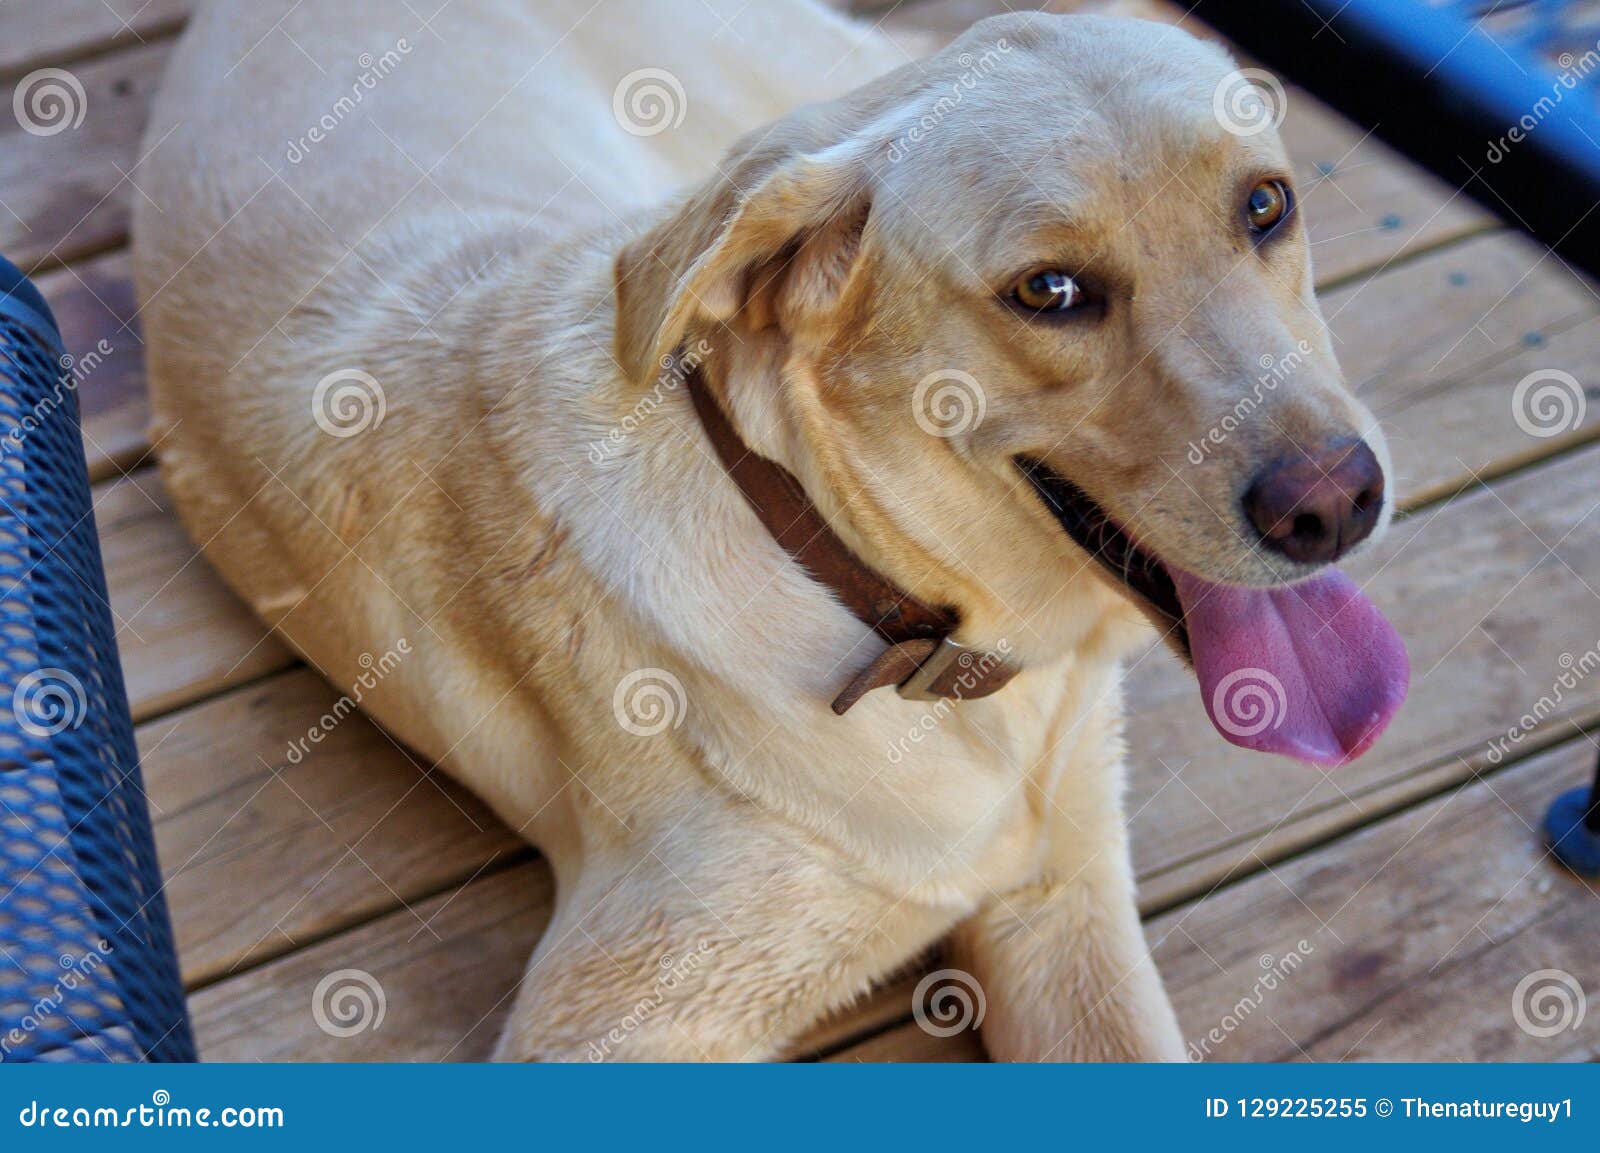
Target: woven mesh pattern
1563	32
87	969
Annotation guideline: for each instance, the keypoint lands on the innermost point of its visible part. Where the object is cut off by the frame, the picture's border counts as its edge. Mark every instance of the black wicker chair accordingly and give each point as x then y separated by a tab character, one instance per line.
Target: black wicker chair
87	968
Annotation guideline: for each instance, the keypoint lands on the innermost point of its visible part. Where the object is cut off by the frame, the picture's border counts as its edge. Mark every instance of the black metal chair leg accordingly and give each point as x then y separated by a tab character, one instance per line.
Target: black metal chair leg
1572	828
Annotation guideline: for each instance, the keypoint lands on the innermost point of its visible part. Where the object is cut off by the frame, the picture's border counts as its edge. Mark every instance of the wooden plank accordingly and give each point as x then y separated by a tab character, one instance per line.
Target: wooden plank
1438	345
1420	929
1365	206
908	1042
1493	595
318	838
1406	941
67	194
181	633
1451	313
94	306
56	33
71	213
444	988
1453	432
95	300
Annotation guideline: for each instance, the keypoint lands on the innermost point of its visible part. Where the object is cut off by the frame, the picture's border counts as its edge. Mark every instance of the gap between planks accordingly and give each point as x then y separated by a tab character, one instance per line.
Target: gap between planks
70	33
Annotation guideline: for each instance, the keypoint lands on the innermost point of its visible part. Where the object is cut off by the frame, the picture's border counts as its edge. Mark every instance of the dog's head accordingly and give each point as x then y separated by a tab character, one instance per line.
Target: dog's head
1042	298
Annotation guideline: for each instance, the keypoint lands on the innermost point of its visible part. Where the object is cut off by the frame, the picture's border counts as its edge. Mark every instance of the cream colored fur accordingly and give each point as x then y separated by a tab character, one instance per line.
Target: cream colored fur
483	238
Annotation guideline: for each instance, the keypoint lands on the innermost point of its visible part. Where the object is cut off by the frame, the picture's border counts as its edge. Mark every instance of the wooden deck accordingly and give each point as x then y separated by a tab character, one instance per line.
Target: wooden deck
1416	876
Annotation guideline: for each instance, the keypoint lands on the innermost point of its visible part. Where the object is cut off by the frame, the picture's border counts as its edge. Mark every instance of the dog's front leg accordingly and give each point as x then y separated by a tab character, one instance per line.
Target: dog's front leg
724	941
1066	974
1062	962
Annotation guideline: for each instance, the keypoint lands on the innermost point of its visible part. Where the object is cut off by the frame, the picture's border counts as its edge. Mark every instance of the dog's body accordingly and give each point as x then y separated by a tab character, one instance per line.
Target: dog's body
456	235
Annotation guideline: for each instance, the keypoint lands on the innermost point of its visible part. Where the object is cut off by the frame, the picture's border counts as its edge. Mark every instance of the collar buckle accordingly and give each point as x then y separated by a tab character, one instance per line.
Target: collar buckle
922	684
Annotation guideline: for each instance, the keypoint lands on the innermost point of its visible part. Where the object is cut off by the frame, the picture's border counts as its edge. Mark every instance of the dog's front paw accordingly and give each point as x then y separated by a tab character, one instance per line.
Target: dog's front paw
1114	1030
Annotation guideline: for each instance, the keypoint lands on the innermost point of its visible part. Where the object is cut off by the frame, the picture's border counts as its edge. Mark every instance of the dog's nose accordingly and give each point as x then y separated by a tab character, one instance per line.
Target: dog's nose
1316	505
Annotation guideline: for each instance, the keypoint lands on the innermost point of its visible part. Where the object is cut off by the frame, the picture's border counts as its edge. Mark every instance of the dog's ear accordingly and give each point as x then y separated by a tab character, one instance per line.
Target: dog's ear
775	242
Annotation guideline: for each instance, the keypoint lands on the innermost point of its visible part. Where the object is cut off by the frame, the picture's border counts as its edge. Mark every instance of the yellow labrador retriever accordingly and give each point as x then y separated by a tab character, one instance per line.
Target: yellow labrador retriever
749	479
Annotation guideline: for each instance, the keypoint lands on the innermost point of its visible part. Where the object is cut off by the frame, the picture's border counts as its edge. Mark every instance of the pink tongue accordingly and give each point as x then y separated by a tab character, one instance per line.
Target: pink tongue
1312	671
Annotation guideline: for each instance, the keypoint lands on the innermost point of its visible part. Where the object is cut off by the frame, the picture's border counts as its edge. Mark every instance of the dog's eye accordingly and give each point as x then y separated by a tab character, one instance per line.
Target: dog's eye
1266	206
1047	290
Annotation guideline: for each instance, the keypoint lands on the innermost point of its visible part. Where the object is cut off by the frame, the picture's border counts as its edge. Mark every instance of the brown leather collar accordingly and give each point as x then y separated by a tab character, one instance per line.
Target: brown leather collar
921	660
